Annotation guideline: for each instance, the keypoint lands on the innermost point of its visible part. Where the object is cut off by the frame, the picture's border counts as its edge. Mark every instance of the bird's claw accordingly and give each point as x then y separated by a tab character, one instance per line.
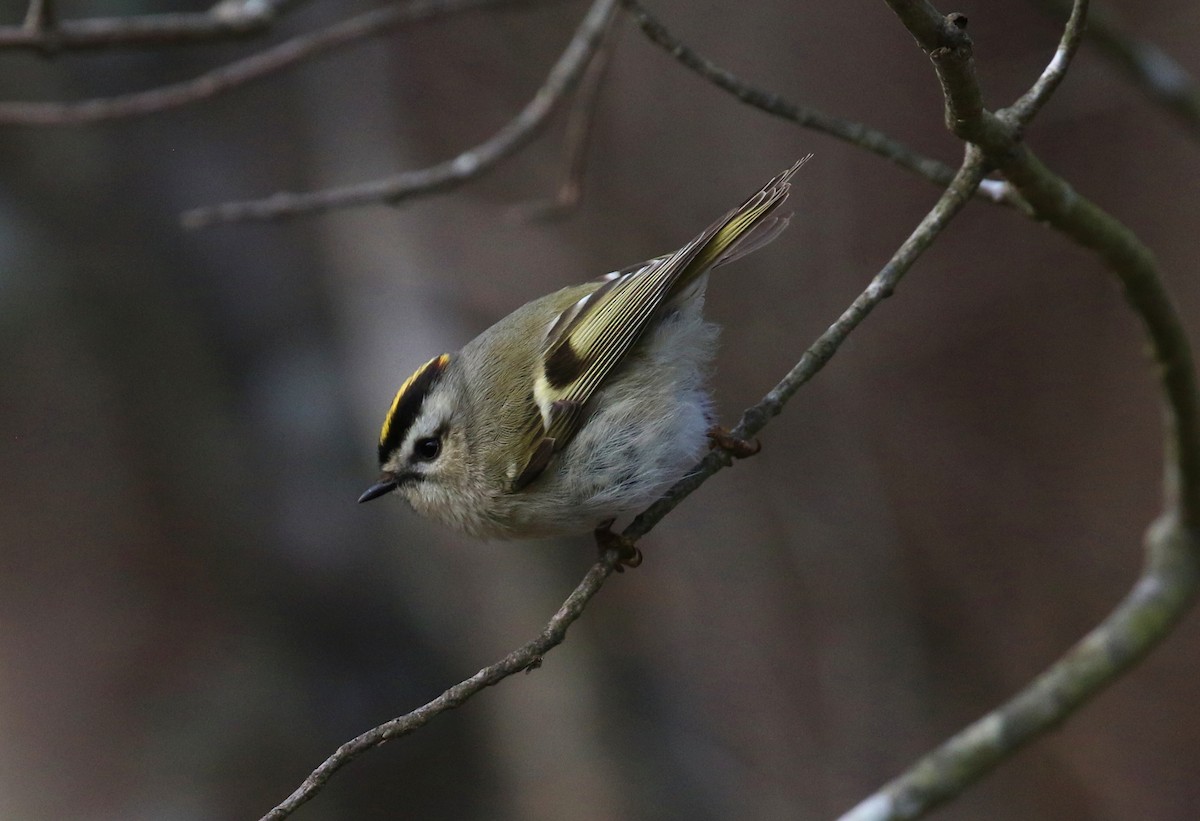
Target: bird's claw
628	554
735	446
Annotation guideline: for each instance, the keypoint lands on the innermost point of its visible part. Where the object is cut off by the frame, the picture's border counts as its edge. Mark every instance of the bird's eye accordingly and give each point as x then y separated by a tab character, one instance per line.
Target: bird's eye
427	449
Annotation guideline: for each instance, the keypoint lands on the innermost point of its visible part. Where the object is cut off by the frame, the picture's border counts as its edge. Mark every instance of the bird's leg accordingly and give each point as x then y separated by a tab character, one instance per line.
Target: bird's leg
628	554
736	447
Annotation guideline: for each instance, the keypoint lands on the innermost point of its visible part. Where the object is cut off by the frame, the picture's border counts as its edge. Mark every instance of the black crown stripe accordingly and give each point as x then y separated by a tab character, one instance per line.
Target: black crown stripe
407	404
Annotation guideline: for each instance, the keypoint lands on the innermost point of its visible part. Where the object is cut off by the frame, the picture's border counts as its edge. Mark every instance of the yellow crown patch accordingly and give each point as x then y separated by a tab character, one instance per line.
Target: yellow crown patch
407	404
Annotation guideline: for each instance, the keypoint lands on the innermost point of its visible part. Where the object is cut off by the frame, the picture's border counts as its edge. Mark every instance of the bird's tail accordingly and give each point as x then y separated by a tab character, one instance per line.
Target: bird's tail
745	229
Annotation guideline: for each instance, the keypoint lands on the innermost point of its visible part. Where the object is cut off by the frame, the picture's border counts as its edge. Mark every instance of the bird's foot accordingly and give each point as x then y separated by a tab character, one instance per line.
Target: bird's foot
628	554
736	447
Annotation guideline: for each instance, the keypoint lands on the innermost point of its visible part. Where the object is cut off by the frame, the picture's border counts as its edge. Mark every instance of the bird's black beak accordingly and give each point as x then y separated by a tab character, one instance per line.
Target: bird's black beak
386	484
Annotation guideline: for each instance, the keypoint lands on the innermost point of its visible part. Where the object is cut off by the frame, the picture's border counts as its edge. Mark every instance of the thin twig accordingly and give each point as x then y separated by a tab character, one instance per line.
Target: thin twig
40	18
1146	615
1156	73
232	18
527	657
957	194
516	133
1032	100
858	134
1057	203
239	72
576	137
1171	577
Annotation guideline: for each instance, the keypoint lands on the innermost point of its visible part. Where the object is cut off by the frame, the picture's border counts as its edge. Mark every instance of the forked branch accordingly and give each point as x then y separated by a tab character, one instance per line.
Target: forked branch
43	31
858	134
517	132
1171	576
238	73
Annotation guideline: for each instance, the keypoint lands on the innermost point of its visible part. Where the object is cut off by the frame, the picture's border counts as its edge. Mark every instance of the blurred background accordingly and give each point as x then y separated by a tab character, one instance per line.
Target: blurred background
194	612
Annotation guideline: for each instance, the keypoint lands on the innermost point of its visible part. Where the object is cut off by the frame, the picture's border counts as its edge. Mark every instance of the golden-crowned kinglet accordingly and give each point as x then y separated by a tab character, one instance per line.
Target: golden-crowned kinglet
581	406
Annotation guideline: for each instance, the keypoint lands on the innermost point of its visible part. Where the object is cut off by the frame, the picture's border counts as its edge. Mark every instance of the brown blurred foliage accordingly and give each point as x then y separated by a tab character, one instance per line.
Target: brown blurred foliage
194	612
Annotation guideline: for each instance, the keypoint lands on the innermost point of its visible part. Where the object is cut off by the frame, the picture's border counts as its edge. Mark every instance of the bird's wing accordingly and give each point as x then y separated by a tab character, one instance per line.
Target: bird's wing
593	337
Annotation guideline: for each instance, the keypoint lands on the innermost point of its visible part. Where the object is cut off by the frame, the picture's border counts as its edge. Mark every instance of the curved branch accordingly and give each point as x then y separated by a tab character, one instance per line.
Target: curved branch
1158	600
238	73
527	657
1157	74
468	165
42	32
1025	108
854	133
576	139
1171	577
1057	203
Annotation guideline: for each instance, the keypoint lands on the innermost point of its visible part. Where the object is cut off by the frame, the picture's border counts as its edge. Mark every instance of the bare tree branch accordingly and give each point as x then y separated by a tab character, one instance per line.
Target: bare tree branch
1146	615
854	133
576	137
1054	201
230	18
472	163
753	420
957	194
240	72
1171	577
40	17
1151	69
1172	573
527	657
1025	108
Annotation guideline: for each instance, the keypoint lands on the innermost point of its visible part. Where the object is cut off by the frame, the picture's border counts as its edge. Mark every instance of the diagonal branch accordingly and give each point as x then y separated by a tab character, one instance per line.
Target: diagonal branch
576	138
529	656
1146	615
854	133
232	18
1025	108
961	189
1159	76
40	17
238	73
515	134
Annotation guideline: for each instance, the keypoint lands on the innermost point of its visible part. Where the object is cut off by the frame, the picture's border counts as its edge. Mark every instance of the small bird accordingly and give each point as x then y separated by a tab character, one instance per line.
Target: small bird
579	407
